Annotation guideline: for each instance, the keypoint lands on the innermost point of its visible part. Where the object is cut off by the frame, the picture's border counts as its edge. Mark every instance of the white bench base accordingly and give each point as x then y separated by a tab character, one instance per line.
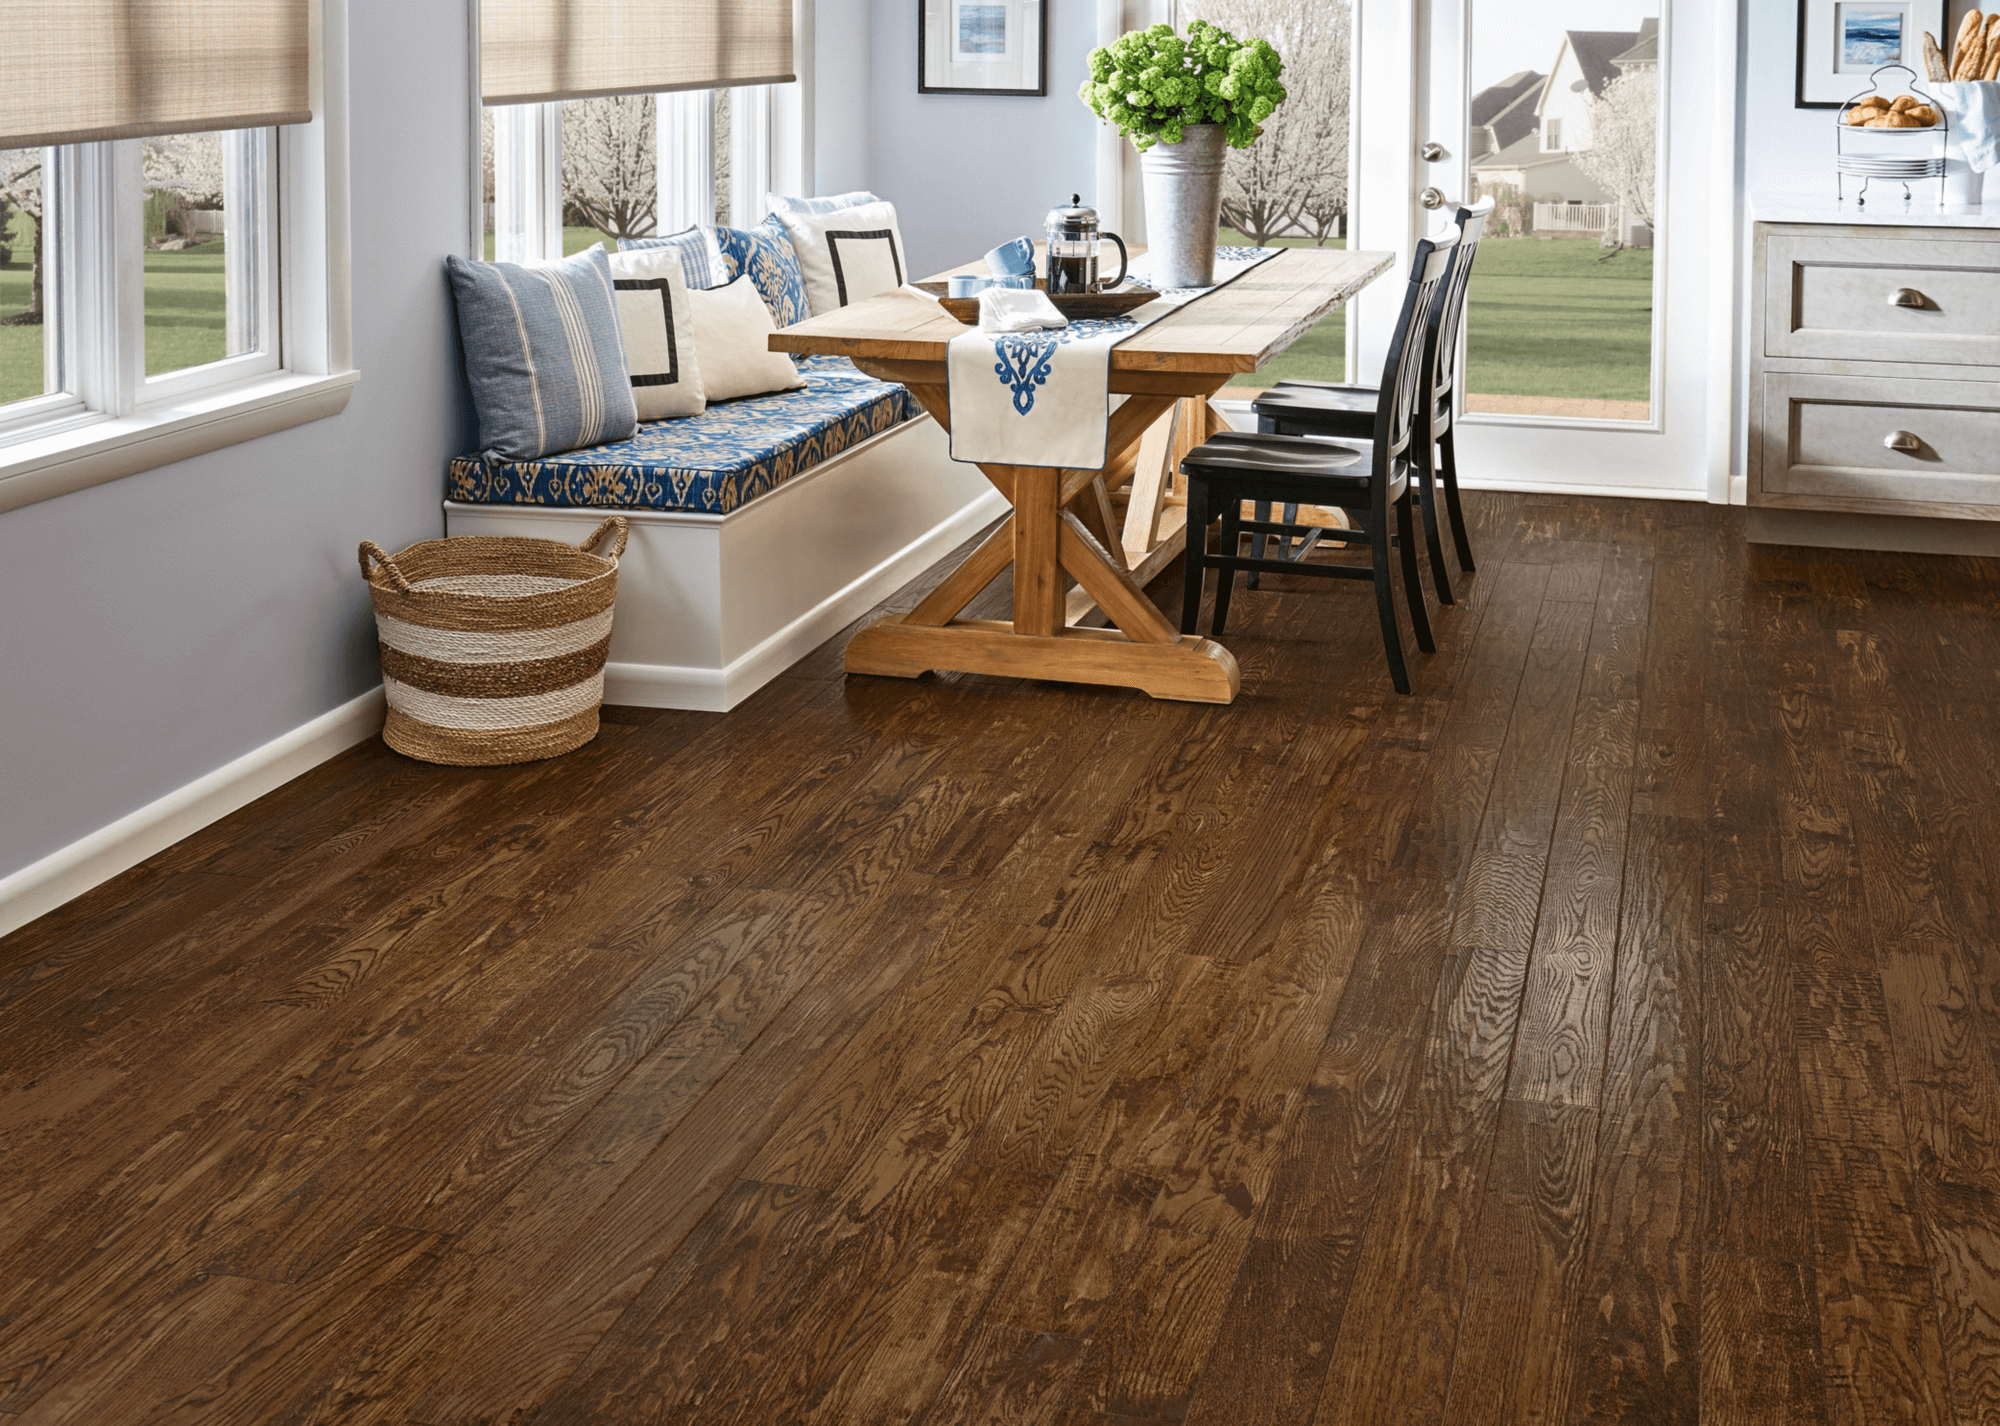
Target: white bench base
713	607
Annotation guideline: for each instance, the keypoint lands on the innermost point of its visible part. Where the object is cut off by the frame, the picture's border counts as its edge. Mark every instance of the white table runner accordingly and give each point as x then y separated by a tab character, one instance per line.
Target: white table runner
1044	398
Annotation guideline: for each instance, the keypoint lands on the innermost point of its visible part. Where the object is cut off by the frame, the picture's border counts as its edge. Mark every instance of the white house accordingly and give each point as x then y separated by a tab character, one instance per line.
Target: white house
1537	160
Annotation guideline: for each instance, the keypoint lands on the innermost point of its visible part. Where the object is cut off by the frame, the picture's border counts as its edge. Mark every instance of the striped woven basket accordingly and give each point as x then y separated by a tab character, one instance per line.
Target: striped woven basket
493	648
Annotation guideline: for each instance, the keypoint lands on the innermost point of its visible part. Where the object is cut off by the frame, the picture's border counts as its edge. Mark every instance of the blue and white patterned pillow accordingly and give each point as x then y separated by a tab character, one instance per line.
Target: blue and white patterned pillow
764	255
781	204
543	354
701	259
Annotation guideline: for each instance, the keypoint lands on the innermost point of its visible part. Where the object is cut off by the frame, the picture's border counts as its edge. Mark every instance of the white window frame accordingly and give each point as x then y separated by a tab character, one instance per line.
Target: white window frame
527	166
288	196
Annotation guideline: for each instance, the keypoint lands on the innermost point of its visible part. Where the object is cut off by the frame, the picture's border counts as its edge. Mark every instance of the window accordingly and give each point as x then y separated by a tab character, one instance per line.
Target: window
164	296
1552	135
563	175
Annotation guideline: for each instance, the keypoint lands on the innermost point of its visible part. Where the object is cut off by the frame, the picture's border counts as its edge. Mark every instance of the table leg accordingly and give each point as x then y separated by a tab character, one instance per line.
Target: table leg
1048	543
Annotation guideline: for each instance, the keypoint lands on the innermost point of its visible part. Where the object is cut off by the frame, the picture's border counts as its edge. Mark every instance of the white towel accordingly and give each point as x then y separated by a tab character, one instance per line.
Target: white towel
1014	309
1973	108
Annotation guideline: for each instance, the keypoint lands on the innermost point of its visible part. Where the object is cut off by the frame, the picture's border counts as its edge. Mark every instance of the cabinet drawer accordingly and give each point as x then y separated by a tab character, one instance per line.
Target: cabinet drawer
1825	445
1834	297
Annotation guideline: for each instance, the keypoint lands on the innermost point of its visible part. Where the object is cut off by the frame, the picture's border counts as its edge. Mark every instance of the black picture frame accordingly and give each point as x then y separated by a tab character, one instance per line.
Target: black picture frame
925	33
1814	86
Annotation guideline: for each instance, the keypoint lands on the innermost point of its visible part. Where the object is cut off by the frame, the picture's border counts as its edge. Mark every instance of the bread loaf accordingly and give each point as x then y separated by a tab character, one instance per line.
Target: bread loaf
1934	60
1967	28
1924	115
1903	102
1991	69
1970	60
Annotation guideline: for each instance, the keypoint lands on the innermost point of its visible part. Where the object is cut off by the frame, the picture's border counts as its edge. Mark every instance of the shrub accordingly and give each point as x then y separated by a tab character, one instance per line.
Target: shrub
1152	84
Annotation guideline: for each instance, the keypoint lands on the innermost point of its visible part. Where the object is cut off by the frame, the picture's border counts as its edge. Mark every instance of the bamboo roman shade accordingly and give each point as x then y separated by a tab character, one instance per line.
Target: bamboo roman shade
76	71
536	50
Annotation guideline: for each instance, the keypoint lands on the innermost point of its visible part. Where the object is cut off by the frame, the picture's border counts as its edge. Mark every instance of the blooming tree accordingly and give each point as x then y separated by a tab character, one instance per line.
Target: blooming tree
610	164
21	191
189	166
1295	175
1624	141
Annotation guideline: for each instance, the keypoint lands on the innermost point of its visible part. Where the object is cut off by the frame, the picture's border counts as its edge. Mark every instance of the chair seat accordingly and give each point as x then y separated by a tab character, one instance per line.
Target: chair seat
1329	409
1239	453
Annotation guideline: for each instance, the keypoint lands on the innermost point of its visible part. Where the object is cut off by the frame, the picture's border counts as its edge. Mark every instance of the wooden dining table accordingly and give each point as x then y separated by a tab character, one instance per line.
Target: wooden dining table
1112	529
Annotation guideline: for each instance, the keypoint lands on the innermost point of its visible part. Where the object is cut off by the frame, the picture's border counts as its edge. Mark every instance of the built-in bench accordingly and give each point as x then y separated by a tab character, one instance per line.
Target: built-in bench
759	528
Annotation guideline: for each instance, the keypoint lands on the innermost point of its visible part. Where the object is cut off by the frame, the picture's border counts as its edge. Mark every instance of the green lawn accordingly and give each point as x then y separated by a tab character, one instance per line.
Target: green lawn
1559	318
185	309
20	347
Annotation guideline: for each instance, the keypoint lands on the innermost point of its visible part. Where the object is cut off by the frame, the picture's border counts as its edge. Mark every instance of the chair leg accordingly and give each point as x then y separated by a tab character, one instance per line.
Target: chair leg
1262	512
1385	606
1225	577
1285	541
1448	467
1427	475
1413	586
1196	548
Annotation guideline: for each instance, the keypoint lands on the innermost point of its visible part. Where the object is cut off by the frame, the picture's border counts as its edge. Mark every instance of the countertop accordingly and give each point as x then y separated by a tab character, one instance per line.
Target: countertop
1920	212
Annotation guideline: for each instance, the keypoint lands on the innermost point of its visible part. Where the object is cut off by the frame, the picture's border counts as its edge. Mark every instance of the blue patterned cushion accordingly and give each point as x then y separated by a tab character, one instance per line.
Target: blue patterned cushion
701	257
765	254
543	354
713	463
781	204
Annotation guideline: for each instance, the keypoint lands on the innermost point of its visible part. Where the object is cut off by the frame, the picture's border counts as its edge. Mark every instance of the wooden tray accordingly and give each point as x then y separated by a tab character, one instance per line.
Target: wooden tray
1088	306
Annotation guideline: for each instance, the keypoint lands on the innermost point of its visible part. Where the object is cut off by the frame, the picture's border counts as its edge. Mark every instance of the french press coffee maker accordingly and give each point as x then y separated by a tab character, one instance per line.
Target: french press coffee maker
1073	240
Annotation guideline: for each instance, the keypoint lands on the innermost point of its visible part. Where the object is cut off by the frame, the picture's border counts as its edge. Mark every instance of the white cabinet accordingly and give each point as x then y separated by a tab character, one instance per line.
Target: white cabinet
1875	377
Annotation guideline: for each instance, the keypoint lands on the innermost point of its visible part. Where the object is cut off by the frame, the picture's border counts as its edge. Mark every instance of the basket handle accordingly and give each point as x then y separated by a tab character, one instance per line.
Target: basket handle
616	522
370	551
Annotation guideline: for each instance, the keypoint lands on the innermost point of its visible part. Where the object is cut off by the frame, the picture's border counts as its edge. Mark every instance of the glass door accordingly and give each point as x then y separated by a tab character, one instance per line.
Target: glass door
1588	334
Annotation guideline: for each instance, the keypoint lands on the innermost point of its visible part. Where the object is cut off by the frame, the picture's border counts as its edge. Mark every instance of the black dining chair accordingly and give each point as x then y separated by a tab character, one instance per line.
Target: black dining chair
1368	479
1297	407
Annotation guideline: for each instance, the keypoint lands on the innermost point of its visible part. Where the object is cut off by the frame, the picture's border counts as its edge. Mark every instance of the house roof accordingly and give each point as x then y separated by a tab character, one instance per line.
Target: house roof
1647	51
1597	53
1496	99
1524	152
1517	120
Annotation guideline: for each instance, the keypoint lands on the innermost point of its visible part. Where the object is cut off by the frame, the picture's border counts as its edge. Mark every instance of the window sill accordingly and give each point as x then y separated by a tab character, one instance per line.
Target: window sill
108	448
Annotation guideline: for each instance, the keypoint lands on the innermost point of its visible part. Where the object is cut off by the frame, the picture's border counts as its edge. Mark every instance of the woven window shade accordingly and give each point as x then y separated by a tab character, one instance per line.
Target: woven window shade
77	71
537	50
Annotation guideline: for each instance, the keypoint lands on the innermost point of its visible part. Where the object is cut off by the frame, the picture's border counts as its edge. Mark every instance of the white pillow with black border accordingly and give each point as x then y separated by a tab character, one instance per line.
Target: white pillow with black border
656	319
847	256
732	327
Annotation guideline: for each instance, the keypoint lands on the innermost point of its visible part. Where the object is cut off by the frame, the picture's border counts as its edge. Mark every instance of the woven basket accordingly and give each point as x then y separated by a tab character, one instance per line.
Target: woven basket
493	647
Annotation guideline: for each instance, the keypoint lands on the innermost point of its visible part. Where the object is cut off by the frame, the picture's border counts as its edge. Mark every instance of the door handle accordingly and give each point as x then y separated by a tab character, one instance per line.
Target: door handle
1903	441
1431	152
1432	198
1908	297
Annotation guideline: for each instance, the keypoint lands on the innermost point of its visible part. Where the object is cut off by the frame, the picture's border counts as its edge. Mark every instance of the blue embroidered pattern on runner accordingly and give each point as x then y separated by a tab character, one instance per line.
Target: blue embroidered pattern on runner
1025	357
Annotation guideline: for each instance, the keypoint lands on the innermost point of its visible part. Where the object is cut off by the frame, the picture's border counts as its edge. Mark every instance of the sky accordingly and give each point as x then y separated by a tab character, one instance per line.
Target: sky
1512	35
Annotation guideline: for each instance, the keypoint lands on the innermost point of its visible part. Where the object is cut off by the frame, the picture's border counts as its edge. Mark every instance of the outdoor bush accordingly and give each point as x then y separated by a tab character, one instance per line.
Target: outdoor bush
1152	84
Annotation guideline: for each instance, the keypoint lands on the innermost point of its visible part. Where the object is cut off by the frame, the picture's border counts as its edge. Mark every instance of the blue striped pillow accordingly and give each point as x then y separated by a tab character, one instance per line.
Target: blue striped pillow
701	258
781	204
764	254
543	354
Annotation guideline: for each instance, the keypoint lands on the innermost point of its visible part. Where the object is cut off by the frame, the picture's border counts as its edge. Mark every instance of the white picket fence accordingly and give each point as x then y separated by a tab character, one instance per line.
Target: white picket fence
203	220
1575	217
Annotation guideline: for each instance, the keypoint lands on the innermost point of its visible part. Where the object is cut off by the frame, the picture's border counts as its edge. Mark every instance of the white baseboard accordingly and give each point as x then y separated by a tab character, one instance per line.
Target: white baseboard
711	690
66	874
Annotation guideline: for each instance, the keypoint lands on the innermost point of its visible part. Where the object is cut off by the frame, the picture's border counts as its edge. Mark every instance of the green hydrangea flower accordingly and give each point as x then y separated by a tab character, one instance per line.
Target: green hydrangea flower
1153	83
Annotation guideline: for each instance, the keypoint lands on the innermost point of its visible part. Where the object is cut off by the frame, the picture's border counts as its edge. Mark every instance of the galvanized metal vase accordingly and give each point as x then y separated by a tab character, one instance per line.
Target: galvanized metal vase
1183	184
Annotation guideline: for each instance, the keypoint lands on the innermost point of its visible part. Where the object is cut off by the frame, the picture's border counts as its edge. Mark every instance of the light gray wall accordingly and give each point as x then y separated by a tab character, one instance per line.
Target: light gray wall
843	96
968	173
163	625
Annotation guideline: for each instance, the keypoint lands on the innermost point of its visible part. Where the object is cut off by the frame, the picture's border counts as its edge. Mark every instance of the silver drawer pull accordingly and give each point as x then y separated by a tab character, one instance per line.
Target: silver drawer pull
1908	297
1902	441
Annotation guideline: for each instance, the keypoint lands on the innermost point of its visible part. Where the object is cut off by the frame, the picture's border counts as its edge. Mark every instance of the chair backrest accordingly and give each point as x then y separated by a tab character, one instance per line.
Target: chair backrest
1449	321
1402	376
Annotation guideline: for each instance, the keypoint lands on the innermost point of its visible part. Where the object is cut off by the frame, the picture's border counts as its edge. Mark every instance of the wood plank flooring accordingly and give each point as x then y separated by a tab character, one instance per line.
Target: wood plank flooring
1607	1033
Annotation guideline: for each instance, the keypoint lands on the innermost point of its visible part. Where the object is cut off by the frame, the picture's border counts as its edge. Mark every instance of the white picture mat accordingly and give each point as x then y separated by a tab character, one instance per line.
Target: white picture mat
1827	77
946	66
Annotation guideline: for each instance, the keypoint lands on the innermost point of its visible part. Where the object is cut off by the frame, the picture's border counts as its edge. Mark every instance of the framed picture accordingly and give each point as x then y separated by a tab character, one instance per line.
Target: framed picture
982	46
1842	42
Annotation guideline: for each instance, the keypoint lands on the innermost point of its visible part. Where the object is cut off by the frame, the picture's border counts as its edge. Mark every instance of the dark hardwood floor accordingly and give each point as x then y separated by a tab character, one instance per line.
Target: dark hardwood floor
1606	1033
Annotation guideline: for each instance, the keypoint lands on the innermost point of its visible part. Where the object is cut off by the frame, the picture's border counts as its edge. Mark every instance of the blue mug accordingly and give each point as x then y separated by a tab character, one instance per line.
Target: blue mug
967	284
1010	259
